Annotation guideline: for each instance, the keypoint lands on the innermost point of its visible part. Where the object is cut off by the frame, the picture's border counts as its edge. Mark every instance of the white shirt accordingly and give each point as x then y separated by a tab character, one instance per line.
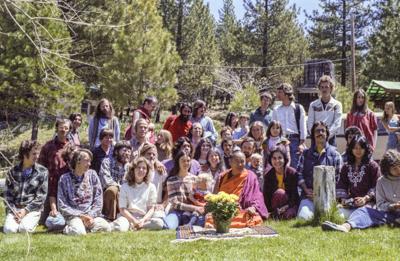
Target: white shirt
286	116
331	115
158	180
139	198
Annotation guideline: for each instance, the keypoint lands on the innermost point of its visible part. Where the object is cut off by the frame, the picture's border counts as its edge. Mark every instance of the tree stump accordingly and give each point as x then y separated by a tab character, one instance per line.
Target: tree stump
324	189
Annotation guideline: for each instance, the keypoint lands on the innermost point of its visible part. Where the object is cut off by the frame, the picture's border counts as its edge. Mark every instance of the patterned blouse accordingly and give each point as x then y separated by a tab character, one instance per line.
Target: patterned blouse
79	195
178	192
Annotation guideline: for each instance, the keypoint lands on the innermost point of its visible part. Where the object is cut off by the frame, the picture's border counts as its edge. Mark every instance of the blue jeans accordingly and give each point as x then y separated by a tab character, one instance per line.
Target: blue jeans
176	218
366	217
55	223
294	157
306	209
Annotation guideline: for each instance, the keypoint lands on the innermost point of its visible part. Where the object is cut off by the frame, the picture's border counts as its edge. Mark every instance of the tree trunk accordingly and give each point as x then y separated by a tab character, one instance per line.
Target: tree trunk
35	127
265	47
344	30
179	28
324	189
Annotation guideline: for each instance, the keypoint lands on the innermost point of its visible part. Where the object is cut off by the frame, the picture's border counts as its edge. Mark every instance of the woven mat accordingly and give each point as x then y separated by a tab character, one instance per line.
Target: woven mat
188	234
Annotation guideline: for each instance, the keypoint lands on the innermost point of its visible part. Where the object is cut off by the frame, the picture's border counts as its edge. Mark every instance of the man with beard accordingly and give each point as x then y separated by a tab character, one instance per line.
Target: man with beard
320	153
248	147
111	175
179	126
143	112
51	158
103	118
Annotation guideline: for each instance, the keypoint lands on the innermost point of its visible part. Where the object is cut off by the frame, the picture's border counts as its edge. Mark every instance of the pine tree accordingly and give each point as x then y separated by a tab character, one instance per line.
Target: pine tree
330	34
228	35
34	61
199	47
275	38
383	58
143	56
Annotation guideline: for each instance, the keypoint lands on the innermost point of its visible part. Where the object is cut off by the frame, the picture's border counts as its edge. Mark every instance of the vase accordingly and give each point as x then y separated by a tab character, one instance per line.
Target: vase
222	226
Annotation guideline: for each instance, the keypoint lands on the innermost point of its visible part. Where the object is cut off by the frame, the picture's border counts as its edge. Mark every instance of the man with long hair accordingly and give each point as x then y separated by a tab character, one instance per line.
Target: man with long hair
103	118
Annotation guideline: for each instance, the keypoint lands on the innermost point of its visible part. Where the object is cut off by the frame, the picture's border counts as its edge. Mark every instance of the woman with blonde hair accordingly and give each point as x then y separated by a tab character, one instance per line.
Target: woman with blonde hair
392	125
164	145
137	199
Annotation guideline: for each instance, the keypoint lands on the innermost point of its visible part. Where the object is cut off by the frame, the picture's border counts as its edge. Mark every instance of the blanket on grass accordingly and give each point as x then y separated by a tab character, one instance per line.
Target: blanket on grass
188	234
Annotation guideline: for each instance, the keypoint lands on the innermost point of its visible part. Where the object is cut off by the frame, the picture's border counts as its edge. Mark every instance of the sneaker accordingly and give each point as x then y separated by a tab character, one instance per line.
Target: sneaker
329	226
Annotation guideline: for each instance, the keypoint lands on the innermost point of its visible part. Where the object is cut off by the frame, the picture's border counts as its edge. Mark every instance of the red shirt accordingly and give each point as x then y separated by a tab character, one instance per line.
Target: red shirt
367	124
50	157
177	127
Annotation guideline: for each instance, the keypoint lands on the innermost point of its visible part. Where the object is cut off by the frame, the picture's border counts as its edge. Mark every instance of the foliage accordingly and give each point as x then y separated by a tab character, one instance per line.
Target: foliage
245	100
330	32
266	21
143	56
383	59
345	96
35	78
223	206
199	48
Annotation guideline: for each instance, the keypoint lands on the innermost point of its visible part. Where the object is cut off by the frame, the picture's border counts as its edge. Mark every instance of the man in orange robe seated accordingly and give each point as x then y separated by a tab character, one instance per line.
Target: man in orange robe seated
244	184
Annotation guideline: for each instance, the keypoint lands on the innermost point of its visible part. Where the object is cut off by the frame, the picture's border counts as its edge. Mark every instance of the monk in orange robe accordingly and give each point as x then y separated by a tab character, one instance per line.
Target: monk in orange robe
244	184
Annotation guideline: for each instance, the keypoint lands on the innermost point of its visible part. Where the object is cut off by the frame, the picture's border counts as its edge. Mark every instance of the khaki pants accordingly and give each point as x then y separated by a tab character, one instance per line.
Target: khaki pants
75	226
110	202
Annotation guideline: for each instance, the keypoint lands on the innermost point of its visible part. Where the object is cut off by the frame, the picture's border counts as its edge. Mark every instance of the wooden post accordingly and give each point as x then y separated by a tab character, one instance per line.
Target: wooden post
353	56
324	189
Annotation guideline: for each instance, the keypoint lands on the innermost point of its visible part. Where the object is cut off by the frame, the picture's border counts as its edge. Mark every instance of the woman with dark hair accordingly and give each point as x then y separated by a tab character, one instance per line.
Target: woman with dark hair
182	144
76	122
362	117
356	185
387	199
280	186
200	154
274	138
180	186
137	199
215	162
232	120
103	118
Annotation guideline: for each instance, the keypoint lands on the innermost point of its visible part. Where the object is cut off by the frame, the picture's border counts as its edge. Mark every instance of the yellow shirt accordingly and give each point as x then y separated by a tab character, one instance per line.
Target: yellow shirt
281	185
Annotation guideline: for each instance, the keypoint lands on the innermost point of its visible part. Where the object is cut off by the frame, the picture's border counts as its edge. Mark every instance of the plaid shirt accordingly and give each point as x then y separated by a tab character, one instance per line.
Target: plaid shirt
27	191
111	173
79	195
179	190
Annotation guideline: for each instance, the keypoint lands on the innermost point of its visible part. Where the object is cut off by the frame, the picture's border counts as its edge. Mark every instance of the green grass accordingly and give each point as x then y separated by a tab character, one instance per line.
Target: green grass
293	243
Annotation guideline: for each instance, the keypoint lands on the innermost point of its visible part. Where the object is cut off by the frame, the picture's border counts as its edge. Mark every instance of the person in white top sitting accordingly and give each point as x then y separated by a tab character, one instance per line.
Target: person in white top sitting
137	200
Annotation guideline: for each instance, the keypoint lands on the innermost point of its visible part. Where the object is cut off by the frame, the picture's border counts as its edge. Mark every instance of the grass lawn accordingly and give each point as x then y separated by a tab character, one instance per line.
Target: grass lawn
293	243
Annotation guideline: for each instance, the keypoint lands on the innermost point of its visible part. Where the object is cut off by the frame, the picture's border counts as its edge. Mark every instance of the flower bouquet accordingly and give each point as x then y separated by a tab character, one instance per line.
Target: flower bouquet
223	207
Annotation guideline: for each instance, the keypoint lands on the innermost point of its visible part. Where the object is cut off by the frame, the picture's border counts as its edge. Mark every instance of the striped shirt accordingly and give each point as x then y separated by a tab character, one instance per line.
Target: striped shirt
179	190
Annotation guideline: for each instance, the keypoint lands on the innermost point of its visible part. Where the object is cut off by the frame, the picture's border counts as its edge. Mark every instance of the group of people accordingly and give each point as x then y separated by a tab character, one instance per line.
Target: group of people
159	180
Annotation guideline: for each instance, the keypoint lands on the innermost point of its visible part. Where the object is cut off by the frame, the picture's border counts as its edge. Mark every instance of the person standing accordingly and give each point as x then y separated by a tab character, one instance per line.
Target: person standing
76	122
179	126
144	111
103	118
26	189
264	112
199	111
362	117
291	116
51	158
391	122
326	109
